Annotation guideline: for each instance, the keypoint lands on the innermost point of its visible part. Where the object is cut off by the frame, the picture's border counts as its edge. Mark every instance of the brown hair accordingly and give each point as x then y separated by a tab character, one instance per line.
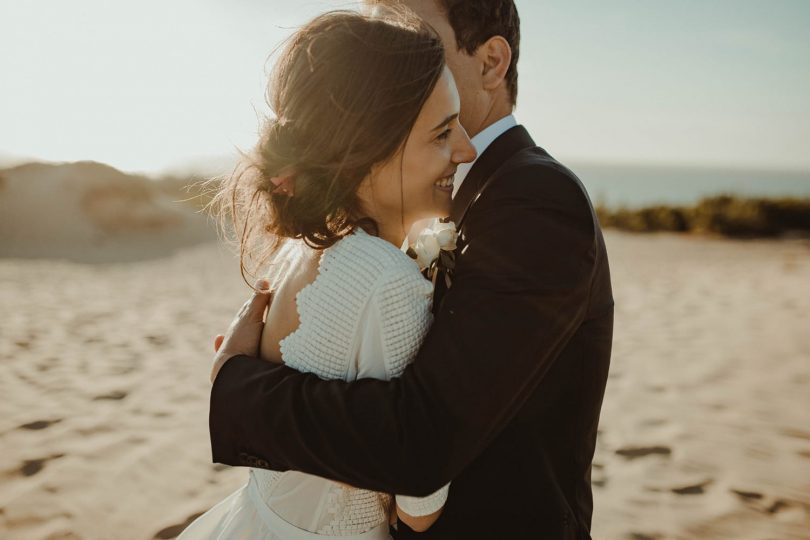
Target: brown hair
346	92
475	21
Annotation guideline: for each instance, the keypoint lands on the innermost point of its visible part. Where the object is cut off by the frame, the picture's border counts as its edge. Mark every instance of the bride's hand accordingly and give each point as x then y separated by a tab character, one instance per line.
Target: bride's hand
245	332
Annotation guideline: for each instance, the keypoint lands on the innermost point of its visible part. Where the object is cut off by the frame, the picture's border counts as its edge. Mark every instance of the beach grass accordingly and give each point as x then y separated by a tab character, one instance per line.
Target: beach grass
726	215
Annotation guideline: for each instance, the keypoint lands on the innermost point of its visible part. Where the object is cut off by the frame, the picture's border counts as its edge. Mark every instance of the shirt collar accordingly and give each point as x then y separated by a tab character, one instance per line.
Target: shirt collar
481	142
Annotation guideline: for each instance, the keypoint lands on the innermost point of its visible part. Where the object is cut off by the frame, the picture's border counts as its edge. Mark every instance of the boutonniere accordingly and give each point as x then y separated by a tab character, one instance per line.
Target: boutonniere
434	250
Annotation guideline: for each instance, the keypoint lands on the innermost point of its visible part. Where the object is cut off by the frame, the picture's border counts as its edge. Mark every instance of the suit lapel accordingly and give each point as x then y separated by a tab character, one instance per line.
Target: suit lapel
478	179
504	147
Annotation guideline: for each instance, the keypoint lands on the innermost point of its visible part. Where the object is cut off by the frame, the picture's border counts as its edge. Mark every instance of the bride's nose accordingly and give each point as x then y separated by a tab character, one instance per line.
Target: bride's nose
463	151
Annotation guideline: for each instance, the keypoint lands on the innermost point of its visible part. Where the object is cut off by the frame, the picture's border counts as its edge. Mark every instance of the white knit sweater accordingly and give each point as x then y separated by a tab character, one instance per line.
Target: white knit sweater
365	315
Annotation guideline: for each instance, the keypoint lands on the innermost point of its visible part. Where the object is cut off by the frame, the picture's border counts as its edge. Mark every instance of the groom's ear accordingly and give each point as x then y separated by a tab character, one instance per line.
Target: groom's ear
495	55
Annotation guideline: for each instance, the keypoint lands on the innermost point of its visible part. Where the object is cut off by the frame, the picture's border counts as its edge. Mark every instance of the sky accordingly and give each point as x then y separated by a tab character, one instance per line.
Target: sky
154	85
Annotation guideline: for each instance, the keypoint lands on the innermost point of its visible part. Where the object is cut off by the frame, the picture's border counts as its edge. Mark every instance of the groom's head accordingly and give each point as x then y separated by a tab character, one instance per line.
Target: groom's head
481	41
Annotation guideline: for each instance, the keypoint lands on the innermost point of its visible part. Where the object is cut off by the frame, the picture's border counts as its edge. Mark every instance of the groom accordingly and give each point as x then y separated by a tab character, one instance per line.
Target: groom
505	394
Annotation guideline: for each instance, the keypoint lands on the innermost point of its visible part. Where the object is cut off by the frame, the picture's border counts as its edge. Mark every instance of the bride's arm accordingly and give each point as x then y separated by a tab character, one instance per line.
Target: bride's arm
420	513
418	523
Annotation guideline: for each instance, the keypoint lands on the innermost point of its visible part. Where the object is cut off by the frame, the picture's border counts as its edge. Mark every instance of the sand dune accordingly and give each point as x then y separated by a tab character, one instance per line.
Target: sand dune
103	420
90	212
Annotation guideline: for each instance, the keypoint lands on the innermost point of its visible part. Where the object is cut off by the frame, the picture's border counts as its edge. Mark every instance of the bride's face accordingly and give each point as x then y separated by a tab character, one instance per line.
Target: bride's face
417	183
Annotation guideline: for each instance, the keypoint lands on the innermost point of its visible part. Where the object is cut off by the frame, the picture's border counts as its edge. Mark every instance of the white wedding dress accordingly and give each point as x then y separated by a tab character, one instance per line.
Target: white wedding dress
365	315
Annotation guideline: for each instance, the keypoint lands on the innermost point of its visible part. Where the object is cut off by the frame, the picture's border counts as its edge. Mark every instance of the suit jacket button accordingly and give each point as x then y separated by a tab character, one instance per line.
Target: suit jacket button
262	463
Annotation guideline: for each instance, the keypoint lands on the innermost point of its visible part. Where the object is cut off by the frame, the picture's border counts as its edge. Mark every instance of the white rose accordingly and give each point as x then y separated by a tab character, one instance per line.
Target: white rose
446	235
427	249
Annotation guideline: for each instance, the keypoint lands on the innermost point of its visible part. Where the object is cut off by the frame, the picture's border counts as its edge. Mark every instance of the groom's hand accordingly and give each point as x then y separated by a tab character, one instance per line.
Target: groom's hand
245	332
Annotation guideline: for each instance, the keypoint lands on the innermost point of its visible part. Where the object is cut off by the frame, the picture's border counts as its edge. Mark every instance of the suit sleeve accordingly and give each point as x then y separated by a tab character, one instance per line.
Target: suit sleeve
519	293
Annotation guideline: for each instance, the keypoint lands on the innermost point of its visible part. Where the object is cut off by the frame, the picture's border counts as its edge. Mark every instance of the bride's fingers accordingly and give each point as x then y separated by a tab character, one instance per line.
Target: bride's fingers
259	302
218	342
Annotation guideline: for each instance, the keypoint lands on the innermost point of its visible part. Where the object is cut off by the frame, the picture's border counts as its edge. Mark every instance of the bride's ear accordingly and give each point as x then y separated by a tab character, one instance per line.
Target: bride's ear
495	56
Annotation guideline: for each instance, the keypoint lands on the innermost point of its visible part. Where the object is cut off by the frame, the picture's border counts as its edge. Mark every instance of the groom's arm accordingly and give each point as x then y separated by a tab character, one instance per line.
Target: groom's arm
519	293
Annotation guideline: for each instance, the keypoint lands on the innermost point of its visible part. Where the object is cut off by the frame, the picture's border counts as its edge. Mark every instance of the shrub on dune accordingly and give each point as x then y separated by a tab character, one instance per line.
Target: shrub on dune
724	214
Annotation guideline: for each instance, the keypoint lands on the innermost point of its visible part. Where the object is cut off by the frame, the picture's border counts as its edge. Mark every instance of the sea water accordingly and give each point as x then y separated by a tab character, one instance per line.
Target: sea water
636	186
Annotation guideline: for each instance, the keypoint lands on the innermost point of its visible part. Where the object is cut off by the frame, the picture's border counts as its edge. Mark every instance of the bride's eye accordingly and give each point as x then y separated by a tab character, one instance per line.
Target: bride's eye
443	136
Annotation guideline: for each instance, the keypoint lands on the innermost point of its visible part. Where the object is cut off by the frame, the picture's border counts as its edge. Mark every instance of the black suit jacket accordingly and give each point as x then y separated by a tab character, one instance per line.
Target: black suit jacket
505	394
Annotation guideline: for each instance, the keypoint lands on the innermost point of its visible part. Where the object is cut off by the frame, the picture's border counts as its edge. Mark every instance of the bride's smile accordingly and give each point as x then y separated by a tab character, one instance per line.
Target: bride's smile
417	182
446	183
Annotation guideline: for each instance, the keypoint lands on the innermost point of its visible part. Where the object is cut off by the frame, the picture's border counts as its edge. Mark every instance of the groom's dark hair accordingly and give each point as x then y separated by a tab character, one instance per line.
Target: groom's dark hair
475	21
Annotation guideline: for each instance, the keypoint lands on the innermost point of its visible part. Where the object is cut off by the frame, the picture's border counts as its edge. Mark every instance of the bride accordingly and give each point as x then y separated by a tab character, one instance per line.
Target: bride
365	143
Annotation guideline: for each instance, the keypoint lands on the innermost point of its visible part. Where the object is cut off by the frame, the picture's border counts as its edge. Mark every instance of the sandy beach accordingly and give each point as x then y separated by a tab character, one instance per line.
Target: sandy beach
704	432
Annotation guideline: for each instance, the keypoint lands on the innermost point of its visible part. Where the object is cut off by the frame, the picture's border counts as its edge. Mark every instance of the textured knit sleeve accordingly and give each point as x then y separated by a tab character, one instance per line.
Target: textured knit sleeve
401	316
402	305
423	506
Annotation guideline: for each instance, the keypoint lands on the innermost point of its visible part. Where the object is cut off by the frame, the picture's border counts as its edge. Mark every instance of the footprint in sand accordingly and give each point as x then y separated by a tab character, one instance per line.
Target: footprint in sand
644	536
777	506
762	503
693	489
747	495
46	364
633	452
158	340
39	424
767	504
173	531
115	395
30	467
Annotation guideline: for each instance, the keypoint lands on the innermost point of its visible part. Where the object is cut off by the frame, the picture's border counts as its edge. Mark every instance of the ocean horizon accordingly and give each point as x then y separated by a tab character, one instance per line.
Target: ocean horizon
635	186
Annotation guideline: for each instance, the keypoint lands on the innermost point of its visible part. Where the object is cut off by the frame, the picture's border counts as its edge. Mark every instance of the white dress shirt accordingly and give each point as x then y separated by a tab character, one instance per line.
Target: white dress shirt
481	142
